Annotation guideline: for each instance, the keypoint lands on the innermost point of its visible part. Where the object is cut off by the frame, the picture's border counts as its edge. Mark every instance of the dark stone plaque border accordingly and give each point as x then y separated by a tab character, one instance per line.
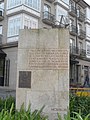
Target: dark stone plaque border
24	79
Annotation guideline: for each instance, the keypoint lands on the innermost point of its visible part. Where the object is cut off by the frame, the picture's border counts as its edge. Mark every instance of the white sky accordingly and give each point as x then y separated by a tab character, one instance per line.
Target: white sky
87	1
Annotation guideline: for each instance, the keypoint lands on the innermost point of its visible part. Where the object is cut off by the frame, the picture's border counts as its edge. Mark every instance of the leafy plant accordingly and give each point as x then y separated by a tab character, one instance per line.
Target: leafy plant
6	103
76	116
79	103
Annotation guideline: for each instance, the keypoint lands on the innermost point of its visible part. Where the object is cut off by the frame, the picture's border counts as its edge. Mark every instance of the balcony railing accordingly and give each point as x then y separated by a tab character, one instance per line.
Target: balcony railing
81	34
73	30
77	52
82	53
81	16
1	15
48	18
74	50
72	10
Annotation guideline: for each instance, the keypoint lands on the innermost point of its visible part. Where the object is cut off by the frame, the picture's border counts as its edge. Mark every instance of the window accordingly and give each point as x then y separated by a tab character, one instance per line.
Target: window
14	24
62	15
33	4
72	46
87	13
71	22
30	3
72	42
1	72
30	22
88	49
72	3
13	3
78	11
47	11
80	45
66	1
2	5
47	8
1	30
79	27
88	30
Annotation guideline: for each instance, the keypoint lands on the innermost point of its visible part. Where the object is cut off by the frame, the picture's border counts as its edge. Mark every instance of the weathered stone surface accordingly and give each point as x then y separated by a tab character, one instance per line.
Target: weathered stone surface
44	52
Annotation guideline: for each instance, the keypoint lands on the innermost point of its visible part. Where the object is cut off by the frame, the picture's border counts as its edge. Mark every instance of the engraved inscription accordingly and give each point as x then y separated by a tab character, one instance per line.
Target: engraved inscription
48	59
24	79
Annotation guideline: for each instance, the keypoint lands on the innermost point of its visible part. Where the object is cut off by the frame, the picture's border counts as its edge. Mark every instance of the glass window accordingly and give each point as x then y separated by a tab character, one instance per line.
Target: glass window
2	5
80	45
13	3
33	4
14	25
1	72
30	23
88	49
72	42
1	30
30	3
47	8
79	27
72	3
66	1
71	22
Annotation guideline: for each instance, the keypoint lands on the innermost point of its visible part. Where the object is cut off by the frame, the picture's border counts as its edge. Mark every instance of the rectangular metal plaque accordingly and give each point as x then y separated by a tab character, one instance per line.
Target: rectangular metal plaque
48	59
24	79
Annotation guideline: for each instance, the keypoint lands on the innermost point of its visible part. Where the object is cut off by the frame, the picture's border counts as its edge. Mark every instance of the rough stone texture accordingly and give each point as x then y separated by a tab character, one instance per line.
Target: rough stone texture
49	85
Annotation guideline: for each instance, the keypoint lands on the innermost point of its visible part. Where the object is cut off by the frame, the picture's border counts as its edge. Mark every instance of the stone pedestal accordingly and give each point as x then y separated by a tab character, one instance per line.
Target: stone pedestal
43	70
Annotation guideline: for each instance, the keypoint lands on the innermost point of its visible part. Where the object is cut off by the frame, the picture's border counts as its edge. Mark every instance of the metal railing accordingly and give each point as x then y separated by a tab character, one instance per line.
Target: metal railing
76	51
72	9
80	91
49	16
81	16
73	29
81	33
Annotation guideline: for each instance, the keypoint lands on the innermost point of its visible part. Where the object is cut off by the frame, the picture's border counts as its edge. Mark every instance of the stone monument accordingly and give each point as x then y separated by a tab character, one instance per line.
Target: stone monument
43	70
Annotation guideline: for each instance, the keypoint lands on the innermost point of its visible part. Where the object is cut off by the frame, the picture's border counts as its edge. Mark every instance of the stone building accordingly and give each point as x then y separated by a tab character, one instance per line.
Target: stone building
34	14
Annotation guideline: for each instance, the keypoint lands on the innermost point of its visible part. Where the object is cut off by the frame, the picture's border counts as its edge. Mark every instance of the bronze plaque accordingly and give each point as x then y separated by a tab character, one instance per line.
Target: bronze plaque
24	79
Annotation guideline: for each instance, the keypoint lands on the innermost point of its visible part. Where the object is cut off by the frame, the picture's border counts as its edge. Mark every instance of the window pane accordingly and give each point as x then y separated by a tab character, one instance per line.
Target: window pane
1	30
13	26
13	3
35	4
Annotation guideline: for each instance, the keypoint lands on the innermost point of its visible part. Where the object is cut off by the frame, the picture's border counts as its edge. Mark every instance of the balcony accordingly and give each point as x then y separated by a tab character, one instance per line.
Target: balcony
48	18
1	15
75	51
81	16
72	11
81	34
73	30
82	53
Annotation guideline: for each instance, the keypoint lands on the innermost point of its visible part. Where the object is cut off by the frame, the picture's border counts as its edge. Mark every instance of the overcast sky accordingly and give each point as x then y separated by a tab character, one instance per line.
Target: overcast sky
87	1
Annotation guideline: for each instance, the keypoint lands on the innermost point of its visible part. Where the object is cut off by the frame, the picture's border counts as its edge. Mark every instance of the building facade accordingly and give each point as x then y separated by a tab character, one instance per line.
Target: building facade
34	14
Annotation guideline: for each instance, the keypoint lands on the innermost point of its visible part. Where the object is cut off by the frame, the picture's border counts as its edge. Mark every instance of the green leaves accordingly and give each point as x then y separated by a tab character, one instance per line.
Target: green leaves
79	103
76	116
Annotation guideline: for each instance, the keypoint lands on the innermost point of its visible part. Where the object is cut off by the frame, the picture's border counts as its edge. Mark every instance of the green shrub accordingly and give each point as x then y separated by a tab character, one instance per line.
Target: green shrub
75	116
22	114
6	103
81	103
